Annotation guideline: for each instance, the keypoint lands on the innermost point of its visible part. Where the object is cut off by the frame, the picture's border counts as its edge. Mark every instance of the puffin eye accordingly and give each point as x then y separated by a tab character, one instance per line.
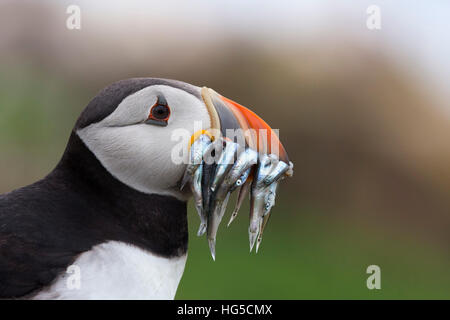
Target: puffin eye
159	114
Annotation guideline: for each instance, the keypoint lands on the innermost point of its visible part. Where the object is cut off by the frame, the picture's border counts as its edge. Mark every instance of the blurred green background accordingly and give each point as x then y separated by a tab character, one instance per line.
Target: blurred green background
364	116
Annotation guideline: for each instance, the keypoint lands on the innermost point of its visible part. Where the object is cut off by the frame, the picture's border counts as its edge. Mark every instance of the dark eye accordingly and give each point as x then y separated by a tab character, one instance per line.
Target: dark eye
160	112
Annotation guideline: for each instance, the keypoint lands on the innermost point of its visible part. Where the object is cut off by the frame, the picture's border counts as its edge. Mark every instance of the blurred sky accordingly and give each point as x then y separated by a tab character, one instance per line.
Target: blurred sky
412	30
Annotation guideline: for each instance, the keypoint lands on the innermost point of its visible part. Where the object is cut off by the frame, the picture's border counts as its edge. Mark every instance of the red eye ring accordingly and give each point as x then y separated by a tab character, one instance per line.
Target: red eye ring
159	112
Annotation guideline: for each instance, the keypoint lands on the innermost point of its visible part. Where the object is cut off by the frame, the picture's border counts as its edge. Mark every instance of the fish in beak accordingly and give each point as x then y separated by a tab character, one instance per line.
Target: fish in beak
243	153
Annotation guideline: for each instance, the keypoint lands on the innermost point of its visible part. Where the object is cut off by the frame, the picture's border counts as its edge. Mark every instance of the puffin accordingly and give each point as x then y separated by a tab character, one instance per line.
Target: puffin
110	220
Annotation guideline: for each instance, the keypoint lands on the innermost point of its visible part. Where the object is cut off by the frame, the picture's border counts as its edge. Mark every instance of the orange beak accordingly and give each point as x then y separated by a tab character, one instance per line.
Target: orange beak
228	115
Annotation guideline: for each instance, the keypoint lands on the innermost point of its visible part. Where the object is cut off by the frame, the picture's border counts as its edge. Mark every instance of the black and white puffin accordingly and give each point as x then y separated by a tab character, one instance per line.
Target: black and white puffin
113	205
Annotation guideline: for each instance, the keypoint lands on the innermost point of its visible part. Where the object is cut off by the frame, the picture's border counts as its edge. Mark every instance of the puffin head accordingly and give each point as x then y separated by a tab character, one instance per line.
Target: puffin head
138	129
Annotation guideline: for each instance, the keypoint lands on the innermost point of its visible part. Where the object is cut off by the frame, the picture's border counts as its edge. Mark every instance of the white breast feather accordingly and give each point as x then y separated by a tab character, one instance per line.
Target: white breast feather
116	270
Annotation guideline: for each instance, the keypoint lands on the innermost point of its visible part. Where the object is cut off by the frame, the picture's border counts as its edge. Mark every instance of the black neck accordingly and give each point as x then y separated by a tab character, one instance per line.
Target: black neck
117	212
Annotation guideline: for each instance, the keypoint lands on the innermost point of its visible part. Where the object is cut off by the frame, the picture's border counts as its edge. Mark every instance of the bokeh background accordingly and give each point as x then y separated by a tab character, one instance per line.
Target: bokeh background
364	115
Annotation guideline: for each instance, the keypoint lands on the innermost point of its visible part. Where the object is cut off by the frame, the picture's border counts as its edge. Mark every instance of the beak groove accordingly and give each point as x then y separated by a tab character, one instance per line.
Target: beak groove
226	114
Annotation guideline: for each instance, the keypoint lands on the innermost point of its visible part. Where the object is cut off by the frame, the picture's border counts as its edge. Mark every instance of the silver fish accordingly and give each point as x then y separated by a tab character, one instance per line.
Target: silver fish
226	162
226	176
200	147
290	171
256	207
214	219
269	203
239	182
258	197
209	168
213	152
244	183
280	169
275	176
213	177
196	188
237	174
270	198
241	169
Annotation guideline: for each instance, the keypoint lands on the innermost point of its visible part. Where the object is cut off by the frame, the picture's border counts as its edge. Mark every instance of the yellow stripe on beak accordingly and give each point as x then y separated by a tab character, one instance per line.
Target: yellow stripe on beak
198	134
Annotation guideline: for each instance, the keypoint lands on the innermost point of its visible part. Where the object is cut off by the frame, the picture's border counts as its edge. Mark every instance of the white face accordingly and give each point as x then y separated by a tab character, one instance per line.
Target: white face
140	154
